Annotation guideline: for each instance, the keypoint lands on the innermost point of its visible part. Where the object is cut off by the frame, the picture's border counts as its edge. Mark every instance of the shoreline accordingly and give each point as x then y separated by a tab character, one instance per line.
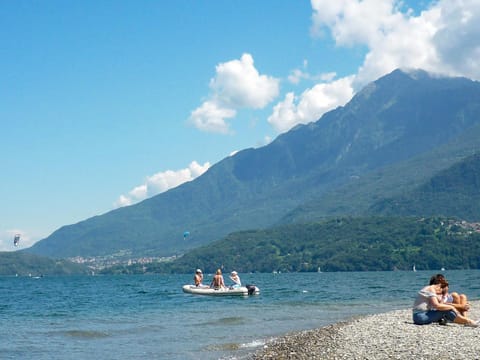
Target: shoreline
391	335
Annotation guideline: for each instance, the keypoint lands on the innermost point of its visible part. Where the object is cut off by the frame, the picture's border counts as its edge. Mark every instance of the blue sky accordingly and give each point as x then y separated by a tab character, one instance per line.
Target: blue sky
106	103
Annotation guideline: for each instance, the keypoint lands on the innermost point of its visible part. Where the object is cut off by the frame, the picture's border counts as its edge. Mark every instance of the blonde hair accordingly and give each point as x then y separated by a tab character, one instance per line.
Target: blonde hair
219	272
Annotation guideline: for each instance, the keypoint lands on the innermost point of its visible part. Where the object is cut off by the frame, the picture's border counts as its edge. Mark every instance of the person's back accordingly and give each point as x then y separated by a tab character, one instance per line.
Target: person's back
217	281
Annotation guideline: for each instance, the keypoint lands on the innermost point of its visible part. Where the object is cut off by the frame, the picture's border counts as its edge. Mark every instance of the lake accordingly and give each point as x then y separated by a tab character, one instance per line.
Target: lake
149	317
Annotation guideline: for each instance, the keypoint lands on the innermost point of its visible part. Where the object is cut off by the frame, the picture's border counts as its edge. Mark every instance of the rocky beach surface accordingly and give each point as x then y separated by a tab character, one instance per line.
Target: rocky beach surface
389	335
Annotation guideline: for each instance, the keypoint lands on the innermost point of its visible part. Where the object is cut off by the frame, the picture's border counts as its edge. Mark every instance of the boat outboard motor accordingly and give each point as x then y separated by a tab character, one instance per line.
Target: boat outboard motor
251	289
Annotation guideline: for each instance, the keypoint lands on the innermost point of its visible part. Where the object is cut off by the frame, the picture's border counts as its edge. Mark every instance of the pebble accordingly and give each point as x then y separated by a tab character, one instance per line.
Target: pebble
389	335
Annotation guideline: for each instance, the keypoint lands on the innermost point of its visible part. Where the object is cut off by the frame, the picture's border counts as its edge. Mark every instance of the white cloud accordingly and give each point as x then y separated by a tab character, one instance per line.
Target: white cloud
326	76
284	114
237	84
123	200
297	75
457	40
161	182
407	45
354	22
441	39
267	139
311	105
210	117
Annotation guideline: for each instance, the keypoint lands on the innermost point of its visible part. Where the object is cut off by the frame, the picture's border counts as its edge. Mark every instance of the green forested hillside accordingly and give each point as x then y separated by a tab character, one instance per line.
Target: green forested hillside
341	244
23	264
452	192
376	192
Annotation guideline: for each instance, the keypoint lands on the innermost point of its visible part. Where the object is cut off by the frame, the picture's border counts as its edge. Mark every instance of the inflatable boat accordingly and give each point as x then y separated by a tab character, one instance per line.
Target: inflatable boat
227	291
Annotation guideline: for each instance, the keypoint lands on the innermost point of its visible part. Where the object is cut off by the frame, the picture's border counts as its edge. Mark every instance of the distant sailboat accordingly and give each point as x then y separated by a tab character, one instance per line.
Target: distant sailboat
414	269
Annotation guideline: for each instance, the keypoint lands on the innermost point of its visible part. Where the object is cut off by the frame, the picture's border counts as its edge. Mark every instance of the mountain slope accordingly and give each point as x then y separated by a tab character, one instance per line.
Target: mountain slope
361	195
339	244
452	192
393	120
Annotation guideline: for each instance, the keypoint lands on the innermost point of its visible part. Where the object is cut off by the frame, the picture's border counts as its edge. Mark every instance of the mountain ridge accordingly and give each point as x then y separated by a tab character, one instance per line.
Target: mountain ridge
395	118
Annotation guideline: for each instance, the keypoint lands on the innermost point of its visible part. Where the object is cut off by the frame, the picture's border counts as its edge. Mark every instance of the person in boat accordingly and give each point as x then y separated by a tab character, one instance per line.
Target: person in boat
428	309
217	281
460	301
198	277
236	279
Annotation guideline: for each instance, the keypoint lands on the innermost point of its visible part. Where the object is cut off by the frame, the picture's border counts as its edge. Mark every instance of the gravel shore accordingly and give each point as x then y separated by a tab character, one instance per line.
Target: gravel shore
390	335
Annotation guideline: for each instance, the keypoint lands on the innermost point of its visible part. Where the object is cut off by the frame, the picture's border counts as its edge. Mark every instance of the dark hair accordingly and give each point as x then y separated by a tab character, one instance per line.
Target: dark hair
437	279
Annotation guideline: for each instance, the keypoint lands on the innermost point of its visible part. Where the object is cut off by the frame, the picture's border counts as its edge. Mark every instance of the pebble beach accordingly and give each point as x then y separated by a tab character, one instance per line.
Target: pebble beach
389	335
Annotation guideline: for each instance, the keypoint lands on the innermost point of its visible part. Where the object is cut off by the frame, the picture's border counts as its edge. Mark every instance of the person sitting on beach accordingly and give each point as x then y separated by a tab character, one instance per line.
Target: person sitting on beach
428	309
460	301
217	281
236	279
198	277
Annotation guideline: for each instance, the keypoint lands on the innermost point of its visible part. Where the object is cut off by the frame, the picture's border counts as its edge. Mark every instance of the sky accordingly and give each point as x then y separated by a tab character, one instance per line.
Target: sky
106	103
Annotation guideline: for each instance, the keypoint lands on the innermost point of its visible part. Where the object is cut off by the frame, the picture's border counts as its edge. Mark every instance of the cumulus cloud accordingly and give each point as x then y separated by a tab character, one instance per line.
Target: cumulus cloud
311	105
354	22
237	84
456	41
161	182
441	39
210	117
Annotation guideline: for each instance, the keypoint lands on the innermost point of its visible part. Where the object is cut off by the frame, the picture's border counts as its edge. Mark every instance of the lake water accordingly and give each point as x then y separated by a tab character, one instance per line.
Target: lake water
149	317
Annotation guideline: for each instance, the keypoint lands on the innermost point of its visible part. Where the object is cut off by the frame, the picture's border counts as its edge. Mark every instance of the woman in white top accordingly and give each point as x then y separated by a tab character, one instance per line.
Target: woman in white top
428	309
236	279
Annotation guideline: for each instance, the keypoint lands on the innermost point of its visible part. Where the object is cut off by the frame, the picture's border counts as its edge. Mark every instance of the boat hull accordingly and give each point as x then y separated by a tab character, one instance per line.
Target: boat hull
238	291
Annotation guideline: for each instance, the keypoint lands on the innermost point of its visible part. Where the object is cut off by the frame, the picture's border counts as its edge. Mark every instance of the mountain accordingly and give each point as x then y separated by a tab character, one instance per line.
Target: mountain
399	122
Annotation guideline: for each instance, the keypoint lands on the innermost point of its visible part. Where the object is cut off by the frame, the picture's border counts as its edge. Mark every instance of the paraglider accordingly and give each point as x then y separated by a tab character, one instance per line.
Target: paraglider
186	234
16	239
